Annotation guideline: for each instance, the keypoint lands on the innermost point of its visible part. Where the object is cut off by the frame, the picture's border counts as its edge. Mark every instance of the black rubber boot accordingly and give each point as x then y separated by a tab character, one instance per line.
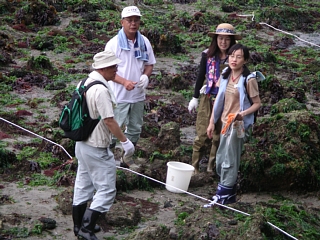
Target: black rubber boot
77	215
89	220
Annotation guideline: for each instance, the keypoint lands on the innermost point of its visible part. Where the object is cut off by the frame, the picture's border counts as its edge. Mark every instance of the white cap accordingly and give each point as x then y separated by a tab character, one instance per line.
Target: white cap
130	11
105	59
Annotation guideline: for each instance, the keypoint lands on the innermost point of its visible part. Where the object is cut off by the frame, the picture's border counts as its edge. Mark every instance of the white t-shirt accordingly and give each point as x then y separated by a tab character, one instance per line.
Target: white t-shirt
100	104
130	68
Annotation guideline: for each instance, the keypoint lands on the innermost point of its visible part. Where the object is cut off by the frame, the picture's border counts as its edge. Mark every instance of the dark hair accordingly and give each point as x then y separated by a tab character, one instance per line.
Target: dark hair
246	56
213	49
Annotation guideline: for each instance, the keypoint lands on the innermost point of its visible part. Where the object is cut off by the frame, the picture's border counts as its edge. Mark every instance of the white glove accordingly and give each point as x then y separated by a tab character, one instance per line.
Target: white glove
193	104
203	89
144	81
128	148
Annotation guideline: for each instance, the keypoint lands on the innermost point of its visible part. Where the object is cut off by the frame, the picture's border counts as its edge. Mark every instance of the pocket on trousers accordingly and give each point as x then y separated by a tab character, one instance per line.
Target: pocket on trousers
239	127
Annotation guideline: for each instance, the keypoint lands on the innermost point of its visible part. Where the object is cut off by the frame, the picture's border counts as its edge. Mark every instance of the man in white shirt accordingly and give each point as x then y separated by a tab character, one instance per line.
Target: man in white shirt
133	73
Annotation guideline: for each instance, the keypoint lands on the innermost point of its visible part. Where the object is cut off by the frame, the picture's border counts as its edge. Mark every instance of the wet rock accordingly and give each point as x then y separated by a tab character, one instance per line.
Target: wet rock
6	157
287	144
169	136
212	231
47	223
163	42
173	233
153	232
150	128
38	13
282	43
40	62
287	105
229	8
6	58
258	227
45	44
168	204
64	200
124	214
201	179
5	199
233	222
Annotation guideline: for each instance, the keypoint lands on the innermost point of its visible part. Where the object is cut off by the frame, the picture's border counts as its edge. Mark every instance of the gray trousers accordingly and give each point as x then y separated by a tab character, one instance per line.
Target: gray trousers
96	172
131	116
228	158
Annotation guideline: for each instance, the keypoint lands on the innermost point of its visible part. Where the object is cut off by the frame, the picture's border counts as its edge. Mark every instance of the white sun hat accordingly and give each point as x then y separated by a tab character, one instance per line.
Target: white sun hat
105	59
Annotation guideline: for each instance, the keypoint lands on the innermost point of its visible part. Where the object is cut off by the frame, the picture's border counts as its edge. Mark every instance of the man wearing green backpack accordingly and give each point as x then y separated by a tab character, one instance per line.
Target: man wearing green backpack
96	164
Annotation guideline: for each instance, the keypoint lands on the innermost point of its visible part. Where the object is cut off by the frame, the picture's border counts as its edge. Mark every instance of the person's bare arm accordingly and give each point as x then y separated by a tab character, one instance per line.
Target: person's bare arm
115	129
254	107
148	70
129	85
211	125
127	145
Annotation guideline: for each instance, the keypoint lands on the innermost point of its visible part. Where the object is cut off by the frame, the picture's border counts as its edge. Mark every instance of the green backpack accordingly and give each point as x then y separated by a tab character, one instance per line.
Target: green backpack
75	119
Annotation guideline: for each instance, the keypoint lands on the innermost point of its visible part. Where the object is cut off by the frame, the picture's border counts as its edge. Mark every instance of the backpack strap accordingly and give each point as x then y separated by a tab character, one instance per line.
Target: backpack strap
93	83
245	87
85	88
249	98
83	81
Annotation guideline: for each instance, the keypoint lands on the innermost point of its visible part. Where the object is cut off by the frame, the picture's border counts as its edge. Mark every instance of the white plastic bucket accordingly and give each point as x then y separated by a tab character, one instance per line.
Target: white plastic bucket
178	176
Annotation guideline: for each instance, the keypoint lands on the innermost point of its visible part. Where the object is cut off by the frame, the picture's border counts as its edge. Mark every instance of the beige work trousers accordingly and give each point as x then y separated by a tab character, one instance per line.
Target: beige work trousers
202	143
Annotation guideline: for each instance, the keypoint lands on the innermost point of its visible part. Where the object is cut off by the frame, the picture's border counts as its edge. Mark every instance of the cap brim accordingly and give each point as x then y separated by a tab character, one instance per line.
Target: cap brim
130	15
236	36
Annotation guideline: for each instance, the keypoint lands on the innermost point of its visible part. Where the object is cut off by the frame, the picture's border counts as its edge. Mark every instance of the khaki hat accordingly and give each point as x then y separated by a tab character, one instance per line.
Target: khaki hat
105	59
130	11
225	29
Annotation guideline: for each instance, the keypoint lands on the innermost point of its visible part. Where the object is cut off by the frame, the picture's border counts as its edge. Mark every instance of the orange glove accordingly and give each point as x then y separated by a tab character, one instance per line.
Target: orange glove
231	117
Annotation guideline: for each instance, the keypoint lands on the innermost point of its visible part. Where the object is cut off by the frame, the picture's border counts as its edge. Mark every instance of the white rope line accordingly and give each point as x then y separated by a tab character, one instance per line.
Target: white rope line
246	15
263	23
37	136
182	191
221	205
155	180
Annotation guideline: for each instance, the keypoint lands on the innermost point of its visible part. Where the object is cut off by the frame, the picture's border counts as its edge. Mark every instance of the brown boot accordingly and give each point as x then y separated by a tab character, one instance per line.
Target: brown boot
196	157
210	164
212	155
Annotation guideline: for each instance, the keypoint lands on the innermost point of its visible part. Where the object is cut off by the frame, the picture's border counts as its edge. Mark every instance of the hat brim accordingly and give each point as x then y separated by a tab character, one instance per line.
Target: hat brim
107	64
236	36
130	15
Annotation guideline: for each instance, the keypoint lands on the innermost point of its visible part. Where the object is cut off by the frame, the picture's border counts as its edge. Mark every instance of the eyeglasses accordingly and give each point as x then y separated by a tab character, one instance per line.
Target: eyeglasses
130	20
113	66
238	57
